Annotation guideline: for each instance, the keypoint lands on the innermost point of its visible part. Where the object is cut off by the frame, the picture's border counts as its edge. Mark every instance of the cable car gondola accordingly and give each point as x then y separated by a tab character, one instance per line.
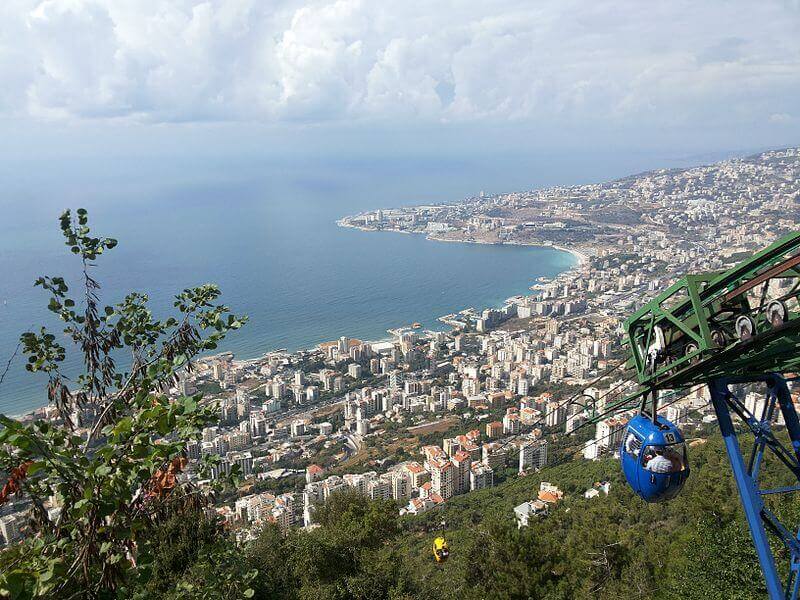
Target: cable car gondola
654	459
441	551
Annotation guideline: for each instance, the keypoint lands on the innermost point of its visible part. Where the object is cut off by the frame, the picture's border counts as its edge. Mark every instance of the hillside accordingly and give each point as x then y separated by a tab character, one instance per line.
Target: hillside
608	547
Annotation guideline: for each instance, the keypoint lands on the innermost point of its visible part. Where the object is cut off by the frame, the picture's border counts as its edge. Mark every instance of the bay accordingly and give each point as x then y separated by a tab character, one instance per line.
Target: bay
266	232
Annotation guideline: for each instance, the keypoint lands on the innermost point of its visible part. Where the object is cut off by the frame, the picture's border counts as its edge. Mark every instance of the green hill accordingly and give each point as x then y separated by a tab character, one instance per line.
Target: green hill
696	546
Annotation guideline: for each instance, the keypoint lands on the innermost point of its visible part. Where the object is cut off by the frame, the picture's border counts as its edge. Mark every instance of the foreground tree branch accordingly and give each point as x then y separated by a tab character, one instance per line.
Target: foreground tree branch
117	433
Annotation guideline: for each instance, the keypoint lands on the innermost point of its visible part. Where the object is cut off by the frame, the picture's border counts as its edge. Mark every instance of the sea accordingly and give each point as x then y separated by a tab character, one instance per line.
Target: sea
265	231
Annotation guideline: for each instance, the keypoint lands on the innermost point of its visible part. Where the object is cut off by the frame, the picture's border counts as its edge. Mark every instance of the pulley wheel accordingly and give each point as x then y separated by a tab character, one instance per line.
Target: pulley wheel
777	313
688	349
658	341
745	327
719	338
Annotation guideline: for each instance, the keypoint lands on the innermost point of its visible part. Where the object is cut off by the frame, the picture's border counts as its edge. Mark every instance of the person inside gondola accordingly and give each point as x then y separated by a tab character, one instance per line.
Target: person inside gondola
657	462
675	458
440	550
633	444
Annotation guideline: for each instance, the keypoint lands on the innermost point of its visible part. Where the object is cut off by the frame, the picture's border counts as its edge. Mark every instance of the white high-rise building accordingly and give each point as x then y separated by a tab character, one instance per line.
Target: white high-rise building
556	414
401	485
443	478
11	528
609	432
298	428
480	476
533	455
591	451
244	460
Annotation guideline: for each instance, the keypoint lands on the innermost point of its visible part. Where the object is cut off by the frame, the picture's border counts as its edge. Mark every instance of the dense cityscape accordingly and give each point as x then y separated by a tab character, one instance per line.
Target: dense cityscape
424	416
346	300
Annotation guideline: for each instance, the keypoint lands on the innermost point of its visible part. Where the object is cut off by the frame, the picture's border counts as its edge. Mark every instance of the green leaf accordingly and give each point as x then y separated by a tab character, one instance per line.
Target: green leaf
102	470
35	468
124	426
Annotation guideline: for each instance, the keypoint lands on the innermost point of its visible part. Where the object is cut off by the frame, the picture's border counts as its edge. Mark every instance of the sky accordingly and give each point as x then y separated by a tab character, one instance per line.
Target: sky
370	76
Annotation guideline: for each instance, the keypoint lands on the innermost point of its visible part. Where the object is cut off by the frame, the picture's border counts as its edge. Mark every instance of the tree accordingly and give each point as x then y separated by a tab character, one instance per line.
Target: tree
344	557
269	554
180	542
117	475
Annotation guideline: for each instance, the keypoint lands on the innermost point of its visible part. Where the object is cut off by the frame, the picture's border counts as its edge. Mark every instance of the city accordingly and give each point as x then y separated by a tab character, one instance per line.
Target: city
347	300
424	416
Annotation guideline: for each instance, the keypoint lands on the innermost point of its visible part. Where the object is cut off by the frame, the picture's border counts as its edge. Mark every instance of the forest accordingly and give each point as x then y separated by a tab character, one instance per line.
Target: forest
696	546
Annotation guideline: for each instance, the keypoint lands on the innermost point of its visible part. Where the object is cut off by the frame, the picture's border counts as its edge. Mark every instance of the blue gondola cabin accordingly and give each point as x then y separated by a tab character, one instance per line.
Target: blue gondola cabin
654	459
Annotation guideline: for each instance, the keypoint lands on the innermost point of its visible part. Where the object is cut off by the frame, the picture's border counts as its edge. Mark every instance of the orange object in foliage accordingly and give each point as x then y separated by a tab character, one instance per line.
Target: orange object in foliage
163	481
14	483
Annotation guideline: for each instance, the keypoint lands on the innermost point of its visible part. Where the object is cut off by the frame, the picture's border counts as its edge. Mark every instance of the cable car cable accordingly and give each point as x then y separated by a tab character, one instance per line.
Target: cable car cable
617	409
572	398
605	437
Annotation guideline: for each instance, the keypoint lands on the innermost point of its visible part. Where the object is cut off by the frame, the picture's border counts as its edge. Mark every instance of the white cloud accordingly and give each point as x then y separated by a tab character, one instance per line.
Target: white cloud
327	60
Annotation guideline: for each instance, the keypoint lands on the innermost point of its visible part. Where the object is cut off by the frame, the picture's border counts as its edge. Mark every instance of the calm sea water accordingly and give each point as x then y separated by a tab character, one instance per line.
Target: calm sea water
266	233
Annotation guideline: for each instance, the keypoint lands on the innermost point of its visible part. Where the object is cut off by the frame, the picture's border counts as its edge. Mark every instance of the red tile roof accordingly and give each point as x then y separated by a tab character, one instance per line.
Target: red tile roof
462	456
548	497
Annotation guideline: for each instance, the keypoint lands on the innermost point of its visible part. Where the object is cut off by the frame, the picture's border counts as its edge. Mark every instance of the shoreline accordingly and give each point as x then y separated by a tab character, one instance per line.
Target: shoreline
579	254
580	258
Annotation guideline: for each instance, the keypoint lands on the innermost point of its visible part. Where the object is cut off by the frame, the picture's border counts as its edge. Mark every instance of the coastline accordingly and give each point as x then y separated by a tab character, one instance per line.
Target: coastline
583	259
580	258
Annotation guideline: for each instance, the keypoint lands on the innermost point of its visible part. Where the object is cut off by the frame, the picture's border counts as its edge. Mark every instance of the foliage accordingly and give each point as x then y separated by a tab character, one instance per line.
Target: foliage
117	430
219	573
608	547
345	557
179	542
